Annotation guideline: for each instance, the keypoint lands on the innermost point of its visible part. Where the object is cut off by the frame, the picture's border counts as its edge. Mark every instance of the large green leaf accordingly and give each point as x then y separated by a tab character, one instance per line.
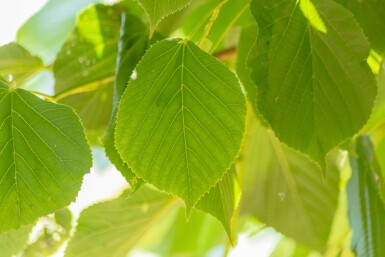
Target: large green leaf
43	157
181	121
222	200
365	207
85	67
309	63
370	14
285	189
13	242
17	64
132	45
158	9
46	31
113	228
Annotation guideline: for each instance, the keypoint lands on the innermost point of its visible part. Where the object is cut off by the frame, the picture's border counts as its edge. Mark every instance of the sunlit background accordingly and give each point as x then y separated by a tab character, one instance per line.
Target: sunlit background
104	181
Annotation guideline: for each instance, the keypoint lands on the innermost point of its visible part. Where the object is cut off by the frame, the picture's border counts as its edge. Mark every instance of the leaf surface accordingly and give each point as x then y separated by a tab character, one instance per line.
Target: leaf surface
43	157
222	200
13	242
114	227
285	189
181	121
17	64
85	67
314	86
365	207
158	9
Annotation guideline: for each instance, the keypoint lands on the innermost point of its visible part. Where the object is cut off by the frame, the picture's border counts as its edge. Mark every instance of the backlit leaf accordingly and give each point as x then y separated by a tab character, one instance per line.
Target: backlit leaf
43	157
181	121
13	242
158	9
285	189
309	64
365	207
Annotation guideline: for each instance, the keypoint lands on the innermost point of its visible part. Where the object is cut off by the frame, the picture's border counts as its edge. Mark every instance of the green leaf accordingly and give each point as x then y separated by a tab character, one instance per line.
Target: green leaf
17	64
132	45
46	31
370	15
85	67
285	189
222	200
43	157
181	121
365	207
247	40
309	64
158	9
13	242
113	228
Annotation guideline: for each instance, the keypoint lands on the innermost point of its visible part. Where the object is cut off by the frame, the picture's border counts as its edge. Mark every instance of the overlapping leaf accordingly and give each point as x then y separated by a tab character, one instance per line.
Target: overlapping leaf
285	189
181	121
43	157
85	67
365	207
113	228
13	242
46	31
17	64
222	200
132	45
158	9
370	15
309	63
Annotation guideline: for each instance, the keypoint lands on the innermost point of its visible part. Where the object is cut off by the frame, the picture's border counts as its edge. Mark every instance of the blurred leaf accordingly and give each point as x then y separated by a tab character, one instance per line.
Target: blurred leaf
50	234
188	127
46	31
285	189
222	200
114	227
365	207
14	241
44	156
85	67
315	87
247	40
158	9
370	15
132	45
17	64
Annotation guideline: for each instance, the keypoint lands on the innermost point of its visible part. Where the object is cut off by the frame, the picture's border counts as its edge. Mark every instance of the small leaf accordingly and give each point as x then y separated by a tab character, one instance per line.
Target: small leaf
45	32
14	241
285	189
181	121
113	228
314	86
158	9
132	45
222	200
85	67
365	207
43	157
17	64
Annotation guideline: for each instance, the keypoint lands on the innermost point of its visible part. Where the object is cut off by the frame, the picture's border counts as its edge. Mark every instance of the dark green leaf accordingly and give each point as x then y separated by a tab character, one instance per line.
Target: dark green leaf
181	121
365	207
309	63
43	157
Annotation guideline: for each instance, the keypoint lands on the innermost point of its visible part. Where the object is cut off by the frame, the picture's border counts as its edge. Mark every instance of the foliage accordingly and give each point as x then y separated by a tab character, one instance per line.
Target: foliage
224	116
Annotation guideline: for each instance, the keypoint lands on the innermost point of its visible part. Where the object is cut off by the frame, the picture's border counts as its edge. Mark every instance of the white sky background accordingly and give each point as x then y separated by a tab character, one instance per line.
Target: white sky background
103	185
